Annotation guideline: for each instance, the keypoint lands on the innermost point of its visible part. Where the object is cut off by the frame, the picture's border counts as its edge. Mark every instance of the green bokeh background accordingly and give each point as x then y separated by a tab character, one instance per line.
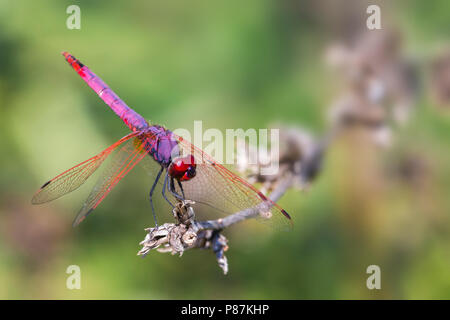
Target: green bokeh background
231	64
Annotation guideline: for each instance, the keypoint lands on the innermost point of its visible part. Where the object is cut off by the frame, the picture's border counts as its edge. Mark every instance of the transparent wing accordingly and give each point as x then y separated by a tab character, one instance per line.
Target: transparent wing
130	153
216	186
73	178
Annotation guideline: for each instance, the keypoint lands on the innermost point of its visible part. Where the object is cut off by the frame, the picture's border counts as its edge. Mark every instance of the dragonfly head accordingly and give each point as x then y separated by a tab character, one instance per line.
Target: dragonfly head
183	168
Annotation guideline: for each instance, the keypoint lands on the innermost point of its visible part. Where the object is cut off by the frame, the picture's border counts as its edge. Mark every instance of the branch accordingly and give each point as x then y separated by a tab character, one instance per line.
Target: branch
249	213
187	233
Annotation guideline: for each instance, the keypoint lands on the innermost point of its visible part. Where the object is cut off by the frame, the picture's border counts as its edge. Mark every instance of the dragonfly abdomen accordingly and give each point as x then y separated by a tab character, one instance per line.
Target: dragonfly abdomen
131	118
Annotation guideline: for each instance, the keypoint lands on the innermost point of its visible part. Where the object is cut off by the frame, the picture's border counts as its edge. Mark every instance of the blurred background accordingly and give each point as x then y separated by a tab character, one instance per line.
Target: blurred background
381	196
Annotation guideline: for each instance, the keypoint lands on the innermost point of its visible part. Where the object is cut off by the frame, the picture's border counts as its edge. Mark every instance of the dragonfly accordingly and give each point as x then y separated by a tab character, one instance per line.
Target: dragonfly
185	171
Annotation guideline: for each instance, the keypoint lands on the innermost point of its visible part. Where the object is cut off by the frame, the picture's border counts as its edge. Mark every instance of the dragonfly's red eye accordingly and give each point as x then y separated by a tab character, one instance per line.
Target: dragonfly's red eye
183	168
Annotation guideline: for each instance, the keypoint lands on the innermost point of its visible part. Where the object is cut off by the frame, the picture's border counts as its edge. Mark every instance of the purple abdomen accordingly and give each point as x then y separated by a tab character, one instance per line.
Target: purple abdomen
131	118
159	143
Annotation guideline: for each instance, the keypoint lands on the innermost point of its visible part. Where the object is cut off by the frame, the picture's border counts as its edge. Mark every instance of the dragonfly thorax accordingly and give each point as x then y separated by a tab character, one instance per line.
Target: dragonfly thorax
160	145
183	168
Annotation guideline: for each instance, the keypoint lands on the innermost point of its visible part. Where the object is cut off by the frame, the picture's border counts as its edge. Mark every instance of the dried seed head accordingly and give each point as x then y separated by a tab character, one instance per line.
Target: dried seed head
189	238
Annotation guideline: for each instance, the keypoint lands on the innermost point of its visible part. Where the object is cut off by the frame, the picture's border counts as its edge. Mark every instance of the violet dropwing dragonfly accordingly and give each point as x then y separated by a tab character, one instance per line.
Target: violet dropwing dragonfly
184	171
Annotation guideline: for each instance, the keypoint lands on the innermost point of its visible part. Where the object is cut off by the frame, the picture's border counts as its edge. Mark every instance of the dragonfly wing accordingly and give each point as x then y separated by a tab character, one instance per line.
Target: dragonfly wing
131	153
74	177
218	187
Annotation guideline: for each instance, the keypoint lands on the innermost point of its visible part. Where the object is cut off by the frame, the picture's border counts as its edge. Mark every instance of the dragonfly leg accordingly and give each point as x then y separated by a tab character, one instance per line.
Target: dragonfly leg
181	188
151	195
173	191
164	189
